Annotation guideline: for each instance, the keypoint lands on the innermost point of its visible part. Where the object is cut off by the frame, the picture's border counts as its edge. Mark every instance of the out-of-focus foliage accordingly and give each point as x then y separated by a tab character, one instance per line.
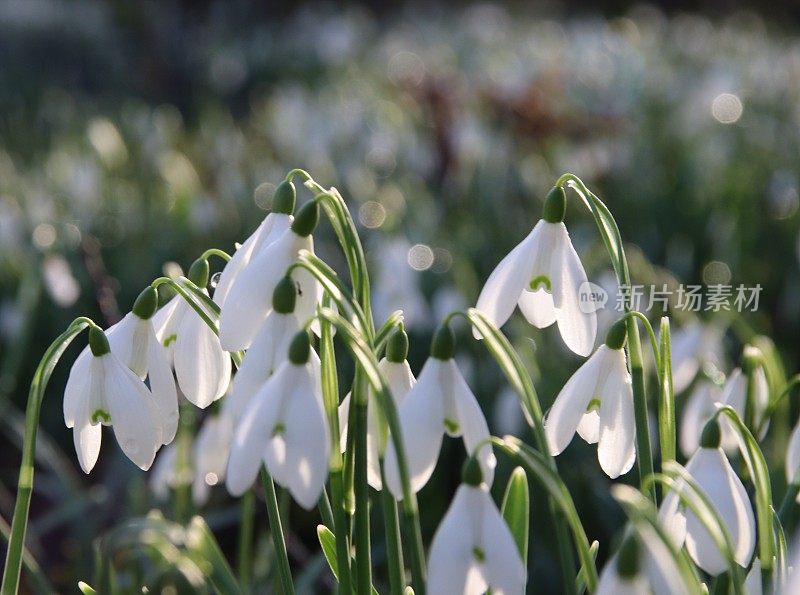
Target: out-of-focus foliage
135	134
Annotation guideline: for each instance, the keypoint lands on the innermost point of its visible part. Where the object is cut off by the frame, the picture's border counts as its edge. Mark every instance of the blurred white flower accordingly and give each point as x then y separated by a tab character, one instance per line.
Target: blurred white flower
286	428
396	285
163	475
703	401
543	275
597	402
101	390
692	346
59	280
210	455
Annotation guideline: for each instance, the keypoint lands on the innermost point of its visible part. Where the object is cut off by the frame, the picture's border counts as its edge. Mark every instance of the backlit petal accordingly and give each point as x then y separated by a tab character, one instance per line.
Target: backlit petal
202	367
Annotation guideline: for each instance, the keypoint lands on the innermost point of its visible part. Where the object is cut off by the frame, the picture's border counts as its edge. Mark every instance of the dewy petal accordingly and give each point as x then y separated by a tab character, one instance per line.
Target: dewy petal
129	342
270	348
422	421
162	386
472	422
134	415
696	413
793	456
505	285
504	569
77	387
578	329
453	568
715	476
250	299
570	405
202	367
301	451
270	228
253	432
537	307
615	448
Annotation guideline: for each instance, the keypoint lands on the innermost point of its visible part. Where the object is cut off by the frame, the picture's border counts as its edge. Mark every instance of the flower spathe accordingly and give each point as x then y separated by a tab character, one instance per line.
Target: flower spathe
440	402
285	427
597	402
101	390
714	475
202	367
542	275
473	549
400	380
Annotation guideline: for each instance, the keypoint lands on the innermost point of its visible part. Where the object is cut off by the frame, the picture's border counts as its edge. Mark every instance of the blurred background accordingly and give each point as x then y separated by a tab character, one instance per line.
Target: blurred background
135	135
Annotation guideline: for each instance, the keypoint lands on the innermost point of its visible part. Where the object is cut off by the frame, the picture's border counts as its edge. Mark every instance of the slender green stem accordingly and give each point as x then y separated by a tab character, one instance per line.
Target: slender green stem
394	546
666	401
276	529
216	252
19	522
361	518
341	533
245	546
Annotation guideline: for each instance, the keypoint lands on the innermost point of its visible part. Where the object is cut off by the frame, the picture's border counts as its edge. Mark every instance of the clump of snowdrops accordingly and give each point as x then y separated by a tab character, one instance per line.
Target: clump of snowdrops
259	354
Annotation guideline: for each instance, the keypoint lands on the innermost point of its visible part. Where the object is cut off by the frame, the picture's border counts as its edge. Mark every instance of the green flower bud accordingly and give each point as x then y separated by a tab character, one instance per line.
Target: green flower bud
397	347
284	198
628	558
617	334
98	342
198	272
146	304
555	205
284	296
712	435
471	473
443	345
306	220
299	349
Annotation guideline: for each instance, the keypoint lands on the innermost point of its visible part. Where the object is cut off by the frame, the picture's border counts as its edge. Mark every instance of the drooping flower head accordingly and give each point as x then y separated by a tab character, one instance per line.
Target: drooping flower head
400	380
202	366
101	390
285	427
597	402
440	403
249	299
271	228
543	276
473	549
714	475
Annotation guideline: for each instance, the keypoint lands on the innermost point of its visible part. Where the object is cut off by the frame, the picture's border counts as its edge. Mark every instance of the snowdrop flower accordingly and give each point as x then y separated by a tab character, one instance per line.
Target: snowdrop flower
202	367
473	549
164	476
713	473
543	275
285	426
597	401
734	393
440	402
101	390
693	345
623	575
248	301
271	228
400	380
268	350
705	399
397	285
793	456
210	454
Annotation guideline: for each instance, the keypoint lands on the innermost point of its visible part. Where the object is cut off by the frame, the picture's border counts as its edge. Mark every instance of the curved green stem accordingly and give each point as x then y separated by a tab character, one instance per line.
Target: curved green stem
216	252
394	546
19	522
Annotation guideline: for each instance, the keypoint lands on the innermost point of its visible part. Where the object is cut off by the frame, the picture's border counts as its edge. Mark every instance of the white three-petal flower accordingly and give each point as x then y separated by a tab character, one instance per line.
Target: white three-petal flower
601	383
286	428
440	401
103	390
473	549
542	275
714	475
400	380
202	367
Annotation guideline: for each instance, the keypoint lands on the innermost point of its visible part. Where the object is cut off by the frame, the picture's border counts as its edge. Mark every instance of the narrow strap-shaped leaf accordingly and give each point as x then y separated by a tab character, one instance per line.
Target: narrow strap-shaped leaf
205	551
327	540
666	401
580	580
516	510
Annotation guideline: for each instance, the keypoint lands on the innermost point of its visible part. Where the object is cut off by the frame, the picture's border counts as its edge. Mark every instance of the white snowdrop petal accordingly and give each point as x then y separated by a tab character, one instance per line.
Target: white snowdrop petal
344	416
162	386
452	566
77	387
87	437
210	453
684	352
659	566
422	421
752	584
129	342
589	427
578	329
473	423
167	320
611	583
537	307
252	434
134	415
202	367
672	518
616	444
571	403
698	410
793	456
505	285
504	569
